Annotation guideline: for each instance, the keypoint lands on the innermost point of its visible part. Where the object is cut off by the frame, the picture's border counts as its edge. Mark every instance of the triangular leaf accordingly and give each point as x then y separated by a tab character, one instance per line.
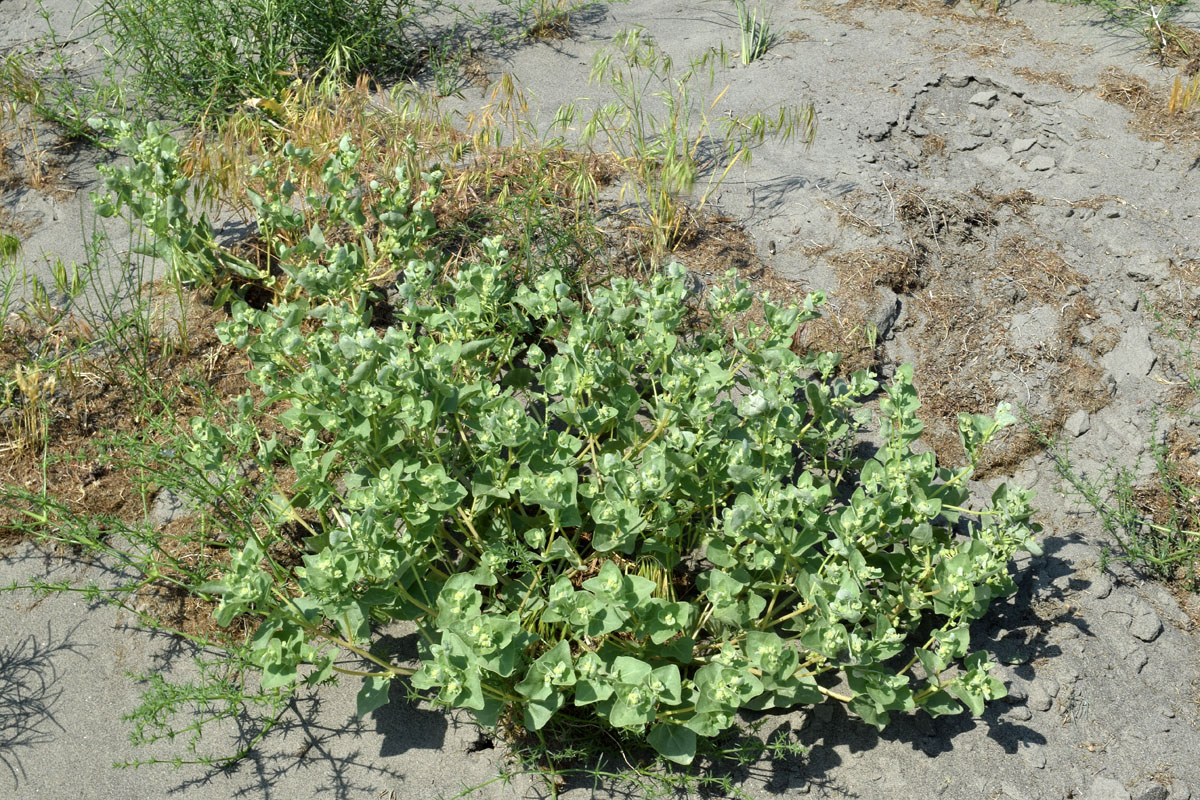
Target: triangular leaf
673	742
373	694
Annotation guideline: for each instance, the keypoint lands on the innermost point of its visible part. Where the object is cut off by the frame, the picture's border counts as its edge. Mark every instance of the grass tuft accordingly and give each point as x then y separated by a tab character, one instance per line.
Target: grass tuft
757	37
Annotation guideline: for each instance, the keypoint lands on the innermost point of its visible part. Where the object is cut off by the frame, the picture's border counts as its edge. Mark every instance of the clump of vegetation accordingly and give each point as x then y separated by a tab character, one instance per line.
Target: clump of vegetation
1154	21
588	500
601	501
1153	514
9	245
1154	523
188	57
757	37
1185	95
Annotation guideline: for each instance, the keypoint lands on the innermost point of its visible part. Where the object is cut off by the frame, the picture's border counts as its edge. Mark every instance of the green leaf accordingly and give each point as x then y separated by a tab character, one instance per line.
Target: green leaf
941	703
972	699
617	525
592	691
608	583
539	712
373	694
665	683
932	662
489	715
953	643
633	707
673	742
276	676
550	670
709	723
870	714
631	670
560	548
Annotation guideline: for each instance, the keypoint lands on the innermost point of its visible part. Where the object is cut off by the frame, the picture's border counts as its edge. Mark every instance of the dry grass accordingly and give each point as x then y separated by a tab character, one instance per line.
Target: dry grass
1153	117
491	166
933	145
981	12
1059	80
1175	45
1185	95
83	401
962	278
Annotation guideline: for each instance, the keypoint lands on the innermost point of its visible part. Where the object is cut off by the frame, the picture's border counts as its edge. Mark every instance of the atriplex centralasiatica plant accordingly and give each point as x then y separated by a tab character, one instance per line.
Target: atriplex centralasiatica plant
504	173
154	189
756	36
586	505
661	127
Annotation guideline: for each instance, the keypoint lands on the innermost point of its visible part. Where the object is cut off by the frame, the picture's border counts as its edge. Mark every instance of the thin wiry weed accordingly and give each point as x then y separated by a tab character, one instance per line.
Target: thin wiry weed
1155	525
1153	515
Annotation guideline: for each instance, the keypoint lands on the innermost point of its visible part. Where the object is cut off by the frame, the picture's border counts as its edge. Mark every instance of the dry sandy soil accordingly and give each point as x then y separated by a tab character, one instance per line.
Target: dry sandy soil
1005	202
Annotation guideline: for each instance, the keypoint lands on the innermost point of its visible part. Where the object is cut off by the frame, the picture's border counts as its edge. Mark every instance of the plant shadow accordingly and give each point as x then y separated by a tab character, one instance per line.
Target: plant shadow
29	692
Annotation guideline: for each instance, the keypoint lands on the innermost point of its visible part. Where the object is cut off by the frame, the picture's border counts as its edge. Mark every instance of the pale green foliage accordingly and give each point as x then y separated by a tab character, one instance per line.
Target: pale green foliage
582	499
154	190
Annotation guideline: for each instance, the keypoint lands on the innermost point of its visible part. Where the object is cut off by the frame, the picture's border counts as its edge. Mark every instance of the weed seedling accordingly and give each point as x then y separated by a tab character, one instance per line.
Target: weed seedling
756	34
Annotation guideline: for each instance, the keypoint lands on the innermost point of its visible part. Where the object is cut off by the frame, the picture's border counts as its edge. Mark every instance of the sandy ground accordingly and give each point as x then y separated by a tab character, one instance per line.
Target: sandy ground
1001	198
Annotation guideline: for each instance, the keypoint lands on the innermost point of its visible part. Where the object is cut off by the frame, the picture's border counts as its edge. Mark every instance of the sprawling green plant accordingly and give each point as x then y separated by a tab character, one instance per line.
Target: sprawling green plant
588	502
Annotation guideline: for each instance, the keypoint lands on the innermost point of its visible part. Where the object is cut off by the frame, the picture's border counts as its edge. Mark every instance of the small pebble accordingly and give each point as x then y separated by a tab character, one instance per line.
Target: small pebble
1154	792
1039	700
